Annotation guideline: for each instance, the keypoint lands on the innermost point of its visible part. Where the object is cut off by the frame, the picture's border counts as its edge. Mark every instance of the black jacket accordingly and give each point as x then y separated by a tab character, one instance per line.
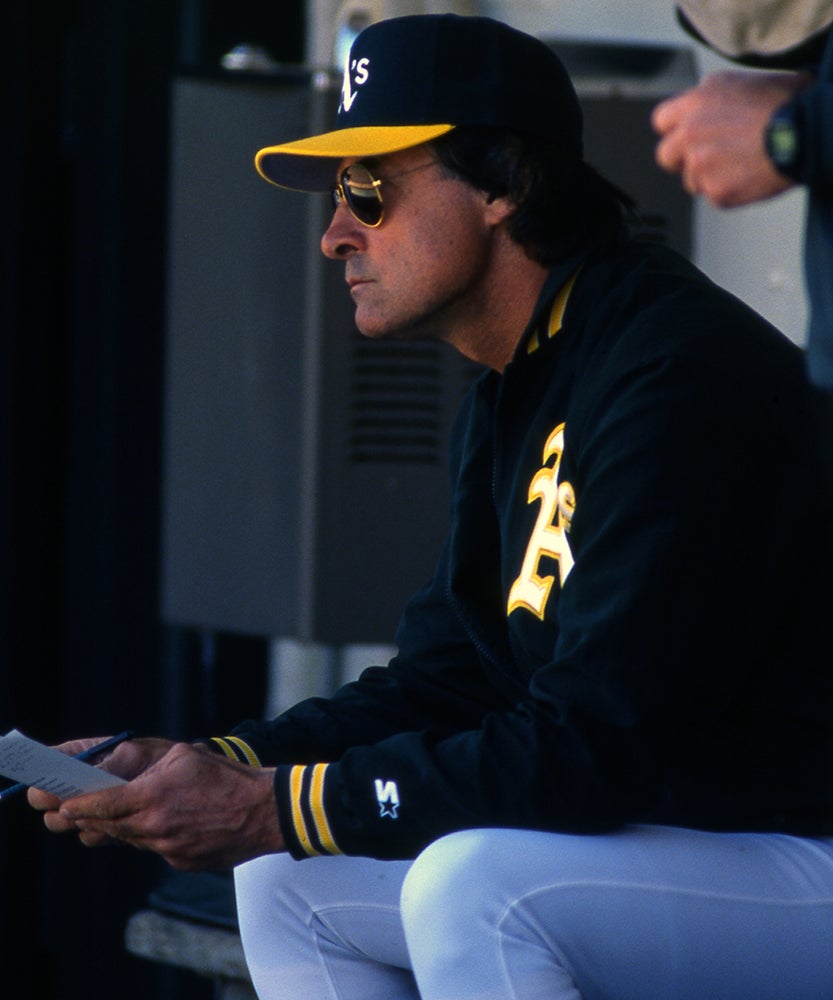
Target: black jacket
623	625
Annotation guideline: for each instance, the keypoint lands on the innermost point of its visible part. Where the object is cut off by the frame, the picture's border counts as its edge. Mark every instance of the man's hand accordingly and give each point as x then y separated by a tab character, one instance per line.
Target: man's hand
127	761
193	807
713	135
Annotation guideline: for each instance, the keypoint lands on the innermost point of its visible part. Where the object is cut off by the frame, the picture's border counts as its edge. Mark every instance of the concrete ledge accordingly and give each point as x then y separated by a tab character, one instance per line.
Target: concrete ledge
208	951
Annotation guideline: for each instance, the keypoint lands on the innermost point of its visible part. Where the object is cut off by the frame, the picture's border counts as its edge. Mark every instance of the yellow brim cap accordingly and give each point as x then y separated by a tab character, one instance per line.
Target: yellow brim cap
310	164
412	79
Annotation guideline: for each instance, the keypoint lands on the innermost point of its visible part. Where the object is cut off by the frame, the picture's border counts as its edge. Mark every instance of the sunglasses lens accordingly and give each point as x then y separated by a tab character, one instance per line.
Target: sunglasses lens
361	192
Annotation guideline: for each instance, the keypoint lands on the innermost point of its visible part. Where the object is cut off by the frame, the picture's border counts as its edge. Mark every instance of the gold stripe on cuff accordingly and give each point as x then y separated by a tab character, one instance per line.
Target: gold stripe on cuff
319	816
223	745
296	779
245	749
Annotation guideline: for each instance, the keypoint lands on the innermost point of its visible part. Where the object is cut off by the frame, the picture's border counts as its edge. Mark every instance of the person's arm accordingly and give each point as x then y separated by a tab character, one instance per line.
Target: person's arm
212	803
218	803
436	680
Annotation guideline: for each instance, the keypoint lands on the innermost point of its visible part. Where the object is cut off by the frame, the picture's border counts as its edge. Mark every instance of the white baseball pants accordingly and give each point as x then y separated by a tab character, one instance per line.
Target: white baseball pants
645	913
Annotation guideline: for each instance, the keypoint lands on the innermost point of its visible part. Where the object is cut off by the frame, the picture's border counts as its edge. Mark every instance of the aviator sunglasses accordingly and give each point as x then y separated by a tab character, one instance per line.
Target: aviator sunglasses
361	192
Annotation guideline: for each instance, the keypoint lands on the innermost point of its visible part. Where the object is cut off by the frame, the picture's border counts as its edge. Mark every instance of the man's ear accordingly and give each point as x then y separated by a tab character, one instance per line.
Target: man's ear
499	208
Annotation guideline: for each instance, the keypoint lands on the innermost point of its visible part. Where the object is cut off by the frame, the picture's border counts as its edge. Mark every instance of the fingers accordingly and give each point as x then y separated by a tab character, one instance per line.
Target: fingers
670	154
666	114
93	839
108	806
42	801
56	819
670	120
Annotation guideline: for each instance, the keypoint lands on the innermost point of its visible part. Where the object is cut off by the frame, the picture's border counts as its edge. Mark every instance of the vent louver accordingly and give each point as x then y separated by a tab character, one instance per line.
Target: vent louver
396	402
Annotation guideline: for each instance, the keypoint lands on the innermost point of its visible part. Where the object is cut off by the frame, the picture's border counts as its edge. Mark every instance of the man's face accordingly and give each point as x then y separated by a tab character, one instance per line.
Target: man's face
424	270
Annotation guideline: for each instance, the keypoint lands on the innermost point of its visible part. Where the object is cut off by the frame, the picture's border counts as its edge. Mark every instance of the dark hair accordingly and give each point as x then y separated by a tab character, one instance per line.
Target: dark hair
563	205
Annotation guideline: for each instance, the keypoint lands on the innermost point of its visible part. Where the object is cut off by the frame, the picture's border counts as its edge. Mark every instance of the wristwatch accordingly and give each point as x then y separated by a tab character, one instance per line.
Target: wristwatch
782	140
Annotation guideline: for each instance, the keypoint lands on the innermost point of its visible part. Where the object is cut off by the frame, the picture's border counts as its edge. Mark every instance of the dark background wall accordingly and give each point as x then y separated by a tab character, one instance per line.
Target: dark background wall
85	113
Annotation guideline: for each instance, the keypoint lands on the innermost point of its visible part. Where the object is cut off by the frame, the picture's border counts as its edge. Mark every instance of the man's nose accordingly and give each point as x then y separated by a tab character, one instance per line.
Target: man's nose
343	236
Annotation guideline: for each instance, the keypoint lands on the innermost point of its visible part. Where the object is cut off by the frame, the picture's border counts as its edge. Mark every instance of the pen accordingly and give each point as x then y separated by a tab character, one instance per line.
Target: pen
85	755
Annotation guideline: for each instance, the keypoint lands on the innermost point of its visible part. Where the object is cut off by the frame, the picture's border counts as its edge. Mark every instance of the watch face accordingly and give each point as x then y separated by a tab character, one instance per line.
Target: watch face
782	142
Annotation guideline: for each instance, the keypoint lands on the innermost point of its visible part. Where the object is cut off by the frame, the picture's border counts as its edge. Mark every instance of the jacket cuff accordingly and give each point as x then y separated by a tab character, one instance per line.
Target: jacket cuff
299	791
813	108
232	747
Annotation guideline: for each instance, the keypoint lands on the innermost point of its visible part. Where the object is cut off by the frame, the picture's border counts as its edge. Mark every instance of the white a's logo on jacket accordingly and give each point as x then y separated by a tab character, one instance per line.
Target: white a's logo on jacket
549	536
356	73
387	795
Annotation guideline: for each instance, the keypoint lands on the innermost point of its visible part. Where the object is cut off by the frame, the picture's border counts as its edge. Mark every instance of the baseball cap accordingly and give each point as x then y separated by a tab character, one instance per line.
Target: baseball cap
411	79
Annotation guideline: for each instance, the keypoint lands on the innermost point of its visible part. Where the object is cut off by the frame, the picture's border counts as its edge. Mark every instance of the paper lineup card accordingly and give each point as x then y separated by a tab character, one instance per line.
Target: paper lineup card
32	763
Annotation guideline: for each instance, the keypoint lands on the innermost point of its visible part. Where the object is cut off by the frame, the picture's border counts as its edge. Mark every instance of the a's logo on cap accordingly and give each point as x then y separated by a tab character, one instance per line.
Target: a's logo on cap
356	73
